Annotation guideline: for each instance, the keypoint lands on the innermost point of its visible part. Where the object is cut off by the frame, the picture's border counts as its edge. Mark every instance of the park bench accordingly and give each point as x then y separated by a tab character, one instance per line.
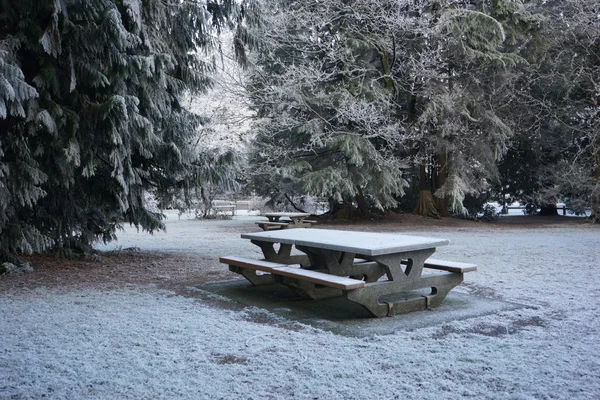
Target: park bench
225	207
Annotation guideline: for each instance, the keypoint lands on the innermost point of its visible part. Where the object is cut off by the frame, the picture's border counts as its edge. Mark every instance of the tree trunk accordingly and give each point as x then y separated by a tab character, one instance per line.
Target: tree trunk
362	203
595	200
441	202
425	203
548	211
385	61
342	211
595	217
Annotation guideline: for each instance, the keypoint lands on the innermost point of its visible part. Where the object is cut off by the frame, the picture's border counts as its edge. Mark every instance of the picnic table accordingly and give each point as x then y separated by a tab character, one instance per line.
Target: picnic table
290	220
382	272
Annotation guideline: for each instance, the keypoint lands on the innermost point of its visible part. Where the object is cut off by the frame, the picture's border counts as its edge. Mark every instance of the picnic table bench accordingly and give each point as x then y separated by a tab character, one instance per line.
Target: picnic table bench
291	220
242	265
382	272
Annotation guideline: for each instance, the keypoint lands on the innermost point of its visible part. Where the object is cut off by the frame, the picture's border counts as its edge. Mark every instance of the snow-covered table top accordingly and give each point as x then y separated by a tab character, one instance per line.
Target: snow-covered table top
363	243
296	217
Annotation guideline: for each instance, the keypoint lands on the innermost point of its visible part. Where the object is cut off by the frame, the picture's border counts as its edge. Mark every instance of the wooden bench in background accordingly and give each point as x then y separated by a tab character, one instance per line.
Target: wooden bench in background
225	208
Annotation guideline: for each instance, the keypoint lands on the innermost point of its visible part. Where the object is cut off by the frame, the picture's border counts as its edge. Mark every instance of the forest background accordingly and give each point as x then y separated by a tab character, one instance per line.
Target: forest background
434	107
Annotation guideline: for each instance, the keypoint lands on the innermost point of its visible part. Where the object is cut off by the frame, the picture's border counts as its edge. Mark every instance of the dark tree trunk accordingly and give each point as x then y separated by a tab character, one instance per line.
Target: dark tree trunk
595	206
425	203
440	202
385	62
362	203
342	211
548	211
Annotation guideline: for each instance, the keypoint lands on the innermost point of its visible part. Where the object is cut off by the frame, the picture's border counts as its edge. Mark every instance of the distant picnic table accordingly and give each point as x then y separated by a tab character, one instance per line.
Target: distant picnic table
285	220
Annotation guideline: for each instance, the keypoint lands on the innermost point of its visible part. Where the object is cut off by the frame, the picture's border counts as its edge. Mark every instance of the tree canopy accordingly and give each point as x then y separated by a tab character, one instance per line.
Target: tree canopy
364	103
555	156
91	114
359	98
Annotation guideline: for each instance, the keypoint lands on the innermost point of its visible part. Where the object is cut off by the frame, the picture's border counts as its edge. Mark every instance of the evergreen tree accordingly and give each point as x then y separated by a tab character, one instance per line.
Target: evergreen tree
320	83
355	92
462	125
555	156
91	115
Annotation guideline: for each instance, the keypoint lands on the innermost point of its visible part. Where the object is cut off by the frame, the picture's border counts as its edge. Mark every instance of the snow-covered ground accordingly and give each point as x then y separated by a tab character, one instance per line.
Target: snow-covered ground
146	343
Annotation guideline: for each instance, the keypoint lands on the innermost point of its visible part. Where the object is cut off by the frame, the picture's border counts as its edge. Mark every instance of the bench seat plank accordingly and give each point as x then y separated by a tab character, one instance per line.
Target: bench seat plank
259	265
320	278
450	266
269	226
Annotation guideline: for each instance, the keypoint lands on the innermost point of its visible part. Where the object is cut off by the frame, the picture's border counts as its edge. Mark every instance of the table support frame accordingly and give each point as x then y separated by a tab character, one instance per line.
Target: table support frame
381	297
394	282
282	255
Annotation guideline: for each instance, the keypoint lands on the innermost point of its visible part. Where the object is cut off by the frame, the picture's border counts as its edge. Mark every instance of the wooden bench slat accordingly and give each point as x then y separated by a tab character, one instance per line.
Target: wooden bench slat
450	266
320	278
259	265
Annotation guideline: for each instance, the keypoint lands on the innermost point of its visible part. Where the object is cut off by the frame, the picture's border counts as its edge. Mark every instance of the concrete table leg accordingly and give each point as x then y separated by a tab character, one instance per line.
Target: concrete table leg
342	264
388	298
400	293
308	289
252	276
283	255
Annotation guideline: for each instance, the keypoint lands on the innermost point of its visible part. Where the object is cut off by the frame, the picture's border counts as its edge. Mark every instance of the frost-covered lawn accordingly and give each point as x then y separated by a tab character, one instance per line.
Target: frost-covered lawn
141	342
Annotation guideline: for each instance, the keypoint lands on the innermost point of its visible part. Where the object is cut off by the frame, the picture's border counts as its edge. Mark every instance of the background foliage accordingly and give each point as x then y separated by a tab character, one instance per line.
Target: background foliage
431	106
466	102
91	115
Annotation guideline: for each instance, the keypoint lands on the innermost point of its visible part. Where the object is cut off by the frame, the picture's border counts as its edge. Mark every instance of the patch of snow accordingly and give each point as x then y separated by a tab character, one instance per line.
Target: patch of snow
137	343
